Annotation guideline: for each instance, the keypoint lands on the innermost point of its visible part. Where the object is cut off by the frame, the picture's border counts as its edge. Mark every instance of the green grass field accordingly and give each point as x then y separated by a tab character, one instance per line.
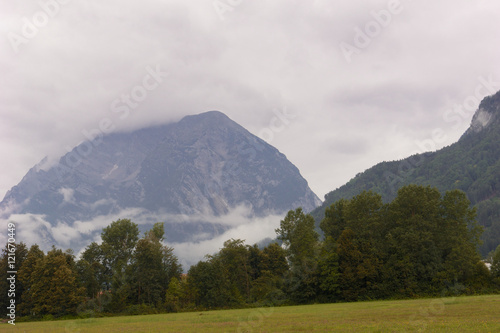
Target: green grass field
460	314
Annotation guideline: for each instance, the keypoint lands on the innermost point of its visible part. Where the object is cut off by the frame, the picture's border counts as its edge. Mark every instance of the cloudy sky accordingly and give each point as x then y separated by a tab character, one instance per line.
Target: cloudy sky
337	85
357	82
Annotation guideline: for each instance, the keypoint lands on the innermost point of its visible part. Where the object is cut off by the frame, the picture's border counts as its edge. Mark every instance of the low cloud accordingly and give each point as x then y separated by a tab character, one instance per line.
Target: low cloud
68	194
238	224
250	230
30	229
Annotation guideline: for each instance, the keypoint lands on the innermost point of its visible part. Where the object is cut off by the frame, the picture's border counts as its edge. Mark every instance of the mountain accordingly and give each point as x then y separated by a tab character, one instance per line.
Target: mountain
472	164
188	174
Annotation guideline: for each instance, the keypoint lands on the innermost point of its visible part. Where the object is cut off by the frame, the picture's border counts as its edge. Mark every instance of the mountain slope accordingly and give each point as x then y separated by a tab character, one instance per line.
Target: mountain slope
188	174
472	164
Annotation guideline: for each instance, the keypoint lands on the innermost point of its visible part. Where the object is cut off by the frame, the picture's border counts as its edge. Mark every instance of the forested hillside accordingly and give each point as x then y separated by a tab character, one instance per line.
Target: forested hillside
472	165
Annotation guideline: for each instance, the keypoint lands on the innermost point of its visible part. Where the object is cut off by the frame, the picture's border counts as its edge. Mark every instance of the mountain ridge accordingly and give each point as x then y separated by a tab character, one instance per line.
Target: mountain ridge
471	164
190	172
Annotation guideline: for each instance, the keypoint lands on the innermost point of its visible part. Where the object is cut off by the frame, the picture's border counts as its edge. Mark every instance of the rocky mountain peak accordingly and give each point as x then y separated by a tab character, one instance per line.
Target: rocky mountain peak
188	174
486	115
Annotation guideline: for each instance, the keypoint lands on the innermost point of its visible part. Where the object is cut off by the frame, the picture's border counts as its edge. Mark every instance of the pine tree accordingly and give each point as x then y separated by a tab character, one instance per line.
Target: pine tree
34	258
55	289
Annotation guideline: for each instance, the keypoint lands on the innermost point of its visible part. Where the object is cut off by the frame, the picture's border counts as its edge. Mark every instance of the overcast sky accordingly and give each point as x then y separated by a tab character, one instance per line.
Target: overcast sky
354	82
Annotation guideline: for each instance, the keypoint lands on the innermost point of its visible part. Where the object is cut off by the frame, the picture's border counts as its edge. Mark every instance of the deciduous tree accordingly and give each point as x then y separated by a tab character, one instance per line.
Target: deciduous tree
55	289
25	275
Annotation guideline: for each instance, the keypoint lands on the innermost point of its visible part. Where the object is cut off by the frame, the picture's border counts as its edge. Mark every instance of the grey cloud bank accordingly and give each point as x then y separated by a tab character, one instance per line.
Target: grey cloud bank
73	69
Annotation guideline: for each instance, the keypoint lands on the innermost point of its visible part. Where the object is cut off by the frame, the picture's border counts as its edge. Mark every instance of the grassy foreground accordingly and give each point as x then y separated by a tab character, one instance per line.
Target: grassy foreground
455	314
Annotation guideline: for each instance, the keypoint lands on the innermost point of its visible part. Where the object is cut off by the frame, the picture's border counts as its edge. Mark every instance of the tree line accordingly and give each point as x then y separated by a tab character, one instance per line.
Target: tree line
420	244
123	273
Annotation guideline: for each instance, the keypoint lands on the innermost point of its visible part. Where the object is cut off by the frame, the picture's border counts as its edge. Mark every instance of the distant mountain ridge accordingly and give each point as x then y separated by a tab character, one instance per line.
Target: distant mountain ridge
472	164
194	170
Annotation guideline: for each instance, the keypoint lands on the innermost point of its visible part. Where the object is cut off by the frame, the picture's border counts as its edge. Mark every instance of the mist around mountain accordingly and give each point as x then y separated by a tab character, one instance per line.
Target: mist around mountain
204	176
472	165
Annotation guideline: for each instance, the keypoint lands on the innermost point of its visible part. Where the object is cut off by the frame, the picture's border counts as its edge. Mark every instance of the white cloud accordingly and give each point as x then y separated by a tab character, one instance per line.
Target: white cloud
68	195
33	229
250	230
63	234
30	229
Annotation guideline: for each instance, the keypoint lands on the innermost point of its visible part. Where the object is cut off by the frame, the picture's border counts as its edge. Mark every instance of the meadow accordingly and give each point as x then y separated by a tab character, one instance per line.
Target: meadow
450	314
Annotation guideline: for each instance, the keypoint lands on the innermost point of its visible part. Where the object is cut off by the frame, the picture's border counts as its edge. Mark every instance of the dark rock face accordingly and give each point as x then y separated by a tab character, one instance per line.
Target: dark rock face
204	165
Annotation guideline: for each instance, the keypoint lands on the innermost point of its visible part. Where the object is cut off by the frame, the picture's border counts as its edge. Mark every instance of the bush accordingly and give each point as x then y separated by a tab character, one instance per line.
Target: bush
86	314
141	309
48	317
